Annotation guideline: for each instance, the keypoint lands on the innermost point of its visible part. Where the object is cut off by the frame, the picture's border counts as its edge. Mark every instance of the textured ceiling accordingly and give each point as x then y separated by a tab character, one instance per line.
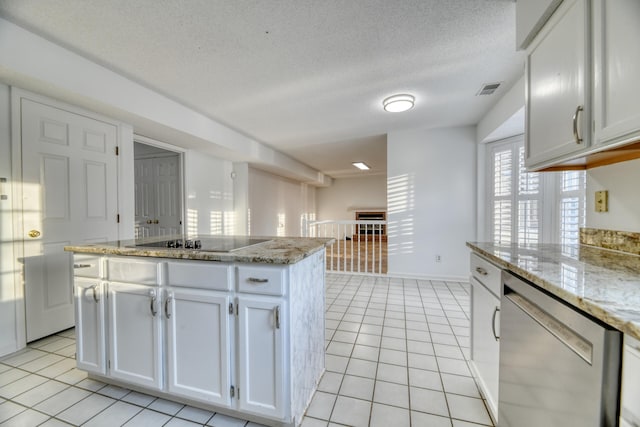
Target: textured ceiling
297	74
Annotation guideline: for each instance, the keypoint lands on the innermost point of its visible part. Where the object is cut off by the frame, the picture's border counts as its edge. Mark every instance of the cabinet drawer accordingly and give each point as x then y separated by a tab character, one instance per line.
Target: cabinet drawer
267	280
87	265
130	270
631	381
203	275
487	273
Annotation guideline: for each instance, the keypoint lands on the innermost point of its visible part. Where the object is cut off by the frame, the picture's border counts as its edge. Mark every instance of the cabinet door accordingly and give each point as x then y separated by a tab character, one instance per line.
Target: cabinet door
90	327
198	350
630	394
485	348
557	86
134	334
261	355
617	67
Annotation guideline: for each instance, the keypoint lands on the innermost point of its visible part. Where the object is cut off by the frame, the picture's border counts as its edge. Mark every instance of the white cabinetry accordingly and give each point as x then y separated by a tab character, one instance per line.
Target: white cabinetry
630	394
261	370
558	103
485	326
89	308
617	67
198	344
261	342
581	85
211	333
135	334
90	327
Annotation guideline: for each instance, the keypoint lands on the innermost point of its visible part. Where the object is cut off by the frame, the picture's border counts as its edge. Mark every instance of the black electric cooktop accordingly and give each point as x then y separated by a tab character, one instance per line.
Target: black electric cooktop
206	244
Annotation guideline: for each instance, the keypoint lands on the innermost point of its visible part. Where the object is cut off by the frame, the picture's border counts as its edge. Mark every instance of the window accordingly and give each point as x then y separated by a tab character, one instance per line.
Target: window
516	198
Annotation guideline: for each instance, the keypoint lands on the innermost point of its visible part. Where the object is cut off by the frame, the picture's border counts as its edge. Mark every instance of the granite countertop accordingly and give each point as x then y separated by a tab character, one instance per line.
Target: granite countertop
601	282
276	250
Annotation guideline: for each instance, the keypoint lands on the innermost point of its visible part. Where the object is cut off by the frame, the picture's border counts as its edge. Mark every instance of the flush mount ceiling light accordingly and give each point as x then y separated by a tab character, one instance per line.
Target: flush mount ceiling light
362	166
398	103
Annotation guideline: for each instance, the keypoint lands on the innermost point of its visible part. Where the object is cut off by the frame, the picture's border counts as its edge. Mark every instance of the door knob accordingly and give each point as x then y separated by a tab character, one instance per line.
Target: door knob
149	221
156	221
34	233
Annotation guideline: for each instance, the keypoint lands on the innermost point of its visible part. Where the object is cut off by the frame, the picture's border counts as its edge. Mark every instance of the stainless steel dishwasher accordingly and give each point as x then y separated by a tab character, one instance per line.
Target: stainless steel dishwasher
558	367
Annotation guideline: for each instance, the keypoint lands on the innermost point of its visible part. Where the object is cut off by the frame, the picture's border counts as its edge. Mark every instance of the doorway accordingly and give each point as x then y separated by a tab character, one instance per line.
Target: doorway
158	191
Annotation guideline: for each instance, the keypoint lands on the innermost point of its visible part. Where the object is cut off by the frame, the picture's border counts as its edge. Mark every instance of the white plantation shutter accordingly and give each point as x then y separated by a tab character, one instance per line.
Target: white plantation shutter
516	199
502	195
572	205
529	201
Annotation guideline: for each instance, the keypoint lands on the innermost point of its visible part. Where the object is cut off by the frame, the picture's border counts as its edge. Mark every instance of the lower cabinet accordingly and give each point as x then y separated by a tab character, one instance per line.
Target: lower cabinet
486	346
135	345
90	325
630	394
187	331
198	345
486	285
261	370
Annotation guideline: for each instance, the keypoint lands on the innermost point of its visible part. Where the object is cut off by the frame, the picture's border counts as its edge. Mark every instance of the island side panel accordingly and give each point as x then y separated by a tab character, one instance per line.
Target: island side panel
307	330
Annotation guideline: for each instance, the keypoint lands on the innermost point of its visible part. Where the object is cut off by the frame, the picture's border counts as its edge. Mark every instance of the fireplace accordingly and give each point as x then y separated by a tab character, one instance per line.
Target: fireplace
371	231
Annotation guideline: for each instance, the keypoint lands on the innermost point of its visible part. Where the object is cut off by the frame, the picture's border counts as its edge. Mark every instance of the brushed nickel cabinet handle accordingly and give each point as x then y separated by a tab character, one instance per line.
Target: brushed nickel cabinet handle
481	271
77	266
277	316
152	303
167	302
95	293
576	135
257	280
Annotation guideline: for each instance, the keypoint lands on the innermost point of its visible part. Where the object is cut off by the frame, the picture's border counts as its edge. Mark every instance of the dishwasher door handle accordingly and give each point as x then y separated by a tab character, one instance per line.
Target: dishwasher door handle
562	332
493	323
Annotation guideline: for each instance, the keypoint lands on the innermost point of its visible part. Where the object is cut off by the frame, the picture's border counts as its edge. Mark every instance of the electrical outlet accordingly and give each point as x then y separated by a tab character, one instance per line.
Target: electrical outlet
602	201
438	258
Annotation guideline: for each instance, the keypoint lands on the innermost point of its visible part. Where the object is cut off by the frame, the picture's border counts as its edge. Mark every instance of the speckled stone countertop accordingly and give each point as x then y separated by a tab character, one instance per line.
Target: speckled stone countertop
277	250
601	282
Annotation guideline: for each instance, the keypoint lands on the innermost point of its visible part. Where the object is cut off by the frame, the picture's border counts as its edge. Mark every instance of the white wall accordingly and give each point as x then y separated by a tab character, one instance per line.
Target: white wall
621	180
346	195
208	195
10	297
431	201
278	205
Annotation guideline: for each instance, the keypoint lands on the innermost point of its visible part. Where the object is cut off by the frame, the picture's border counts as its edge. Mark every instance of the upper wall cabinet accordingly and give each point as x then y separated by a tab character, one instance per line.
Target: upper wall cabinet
530	17
581	86
558	86
616	70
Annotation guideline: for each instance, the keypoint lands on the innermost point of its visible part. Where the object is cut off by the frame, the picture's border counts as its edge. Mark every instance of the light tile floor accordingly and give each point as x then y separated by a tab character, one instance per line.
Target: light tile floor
396	356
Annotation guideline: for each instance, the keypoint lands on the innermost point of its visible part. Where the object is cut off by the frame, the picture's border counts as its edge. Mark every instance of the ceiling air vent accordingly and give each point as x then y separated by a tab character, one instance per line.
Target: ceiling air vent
488	88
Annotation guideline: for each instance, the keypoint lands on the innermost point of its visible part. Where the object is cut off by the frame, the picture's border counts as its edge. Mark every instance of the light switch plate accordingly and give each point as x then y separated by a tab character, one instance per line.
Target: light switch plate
602	201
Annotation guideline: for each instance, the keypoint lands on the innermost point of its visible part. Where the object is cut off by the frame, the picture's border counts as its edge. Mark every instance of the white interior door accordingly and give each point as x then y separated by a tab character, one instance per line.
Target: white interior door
145	211
157	192
69	188
166	173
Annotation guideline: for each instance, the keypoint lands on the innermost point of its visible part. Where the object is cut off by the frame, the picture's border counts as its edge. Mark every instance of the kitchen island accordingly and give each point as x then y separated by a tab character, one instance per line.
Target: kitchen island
232	325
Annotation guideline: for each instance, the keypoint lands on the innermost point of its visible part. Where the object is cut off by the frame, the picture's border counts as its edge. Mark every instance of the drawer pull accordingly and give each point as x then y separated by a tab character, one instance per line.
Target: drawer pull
257	280
481	271
76	266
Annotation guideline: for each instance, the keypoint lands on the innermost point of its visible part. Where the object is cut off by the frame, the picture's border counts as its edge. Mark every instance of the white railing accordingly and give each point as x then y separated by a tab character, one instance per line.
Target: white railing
361	246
